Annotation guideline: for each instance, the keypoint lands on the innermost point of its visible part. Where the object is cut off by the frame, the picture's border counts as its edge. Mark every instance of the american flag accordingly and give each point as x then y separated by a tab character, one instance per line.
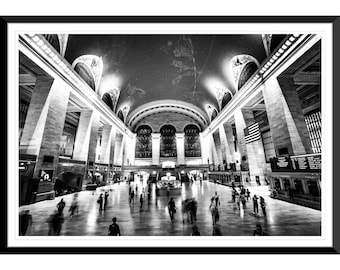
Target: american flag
252	133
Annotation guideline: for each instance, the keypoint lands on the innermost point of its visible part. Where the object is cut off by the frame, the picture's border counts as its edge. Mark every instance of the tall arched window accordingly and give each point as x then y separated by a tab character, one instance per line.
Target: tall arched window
243	66
192	144
120	115
144	142
248	70
53	39
226	99
168	141
85	73
214	114
108	100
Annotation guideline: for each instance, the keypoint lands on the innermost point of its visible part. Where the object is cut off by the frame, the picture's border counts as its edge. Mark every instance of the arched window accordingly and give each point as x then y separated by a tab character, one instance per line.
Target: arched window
243	66
90	68
53	40
214	114
226	99
275	41
144	142
108	100
248	70
168	141
192	145
85	73
120	115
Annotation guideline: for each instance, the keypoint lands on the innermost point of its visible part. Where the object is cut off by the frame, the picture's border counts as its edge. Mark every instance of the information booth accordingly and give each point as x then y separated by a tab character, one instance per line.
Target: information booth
168	180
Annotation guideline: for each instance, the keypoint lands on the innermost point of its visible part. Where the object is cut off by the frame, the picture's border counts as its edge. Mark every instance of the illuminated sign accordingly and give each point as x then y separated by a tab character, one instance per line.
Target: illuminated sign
168	164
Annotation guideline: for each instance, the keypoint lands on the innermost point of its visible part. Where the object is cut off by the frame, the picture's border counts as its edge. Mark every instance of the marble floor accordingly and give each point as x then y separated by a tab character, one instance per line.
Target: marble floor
283	218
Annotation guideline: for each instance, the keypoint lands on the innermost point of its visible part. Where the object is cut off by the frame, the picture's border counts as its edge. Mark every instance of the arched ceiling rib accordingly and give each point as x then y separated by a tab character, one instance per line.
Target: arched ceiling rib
148	68
169	106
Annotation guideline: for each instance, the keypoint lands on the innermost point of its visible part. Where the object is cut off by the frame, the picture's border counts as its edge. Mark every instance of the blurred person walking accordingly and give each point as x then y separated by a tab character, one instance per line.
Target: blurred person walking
247	194
74	205
132	197
263	206
255	205
61	205
217	199
214	211
100	202
114	228
172	208
105	199
141	200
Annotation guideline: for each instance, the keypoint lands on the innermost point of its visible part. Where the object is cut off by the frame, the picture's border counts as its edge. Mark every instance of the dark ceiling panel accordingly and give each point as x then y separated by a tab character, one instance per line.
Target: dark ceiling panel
155	67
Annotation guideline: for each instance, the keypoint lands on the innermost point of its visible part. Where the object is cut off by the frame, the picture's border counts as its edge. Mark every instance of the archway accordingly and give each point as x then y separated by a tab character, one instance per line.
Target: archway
86	74
143	142
214	114
120	115
226	99
168	141
108	100
192	145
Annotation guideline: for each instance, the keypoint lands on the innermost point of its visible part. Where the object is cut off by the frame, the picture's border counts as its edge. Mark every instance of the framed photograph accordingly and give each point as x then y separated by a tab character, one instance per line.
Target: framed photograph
180	135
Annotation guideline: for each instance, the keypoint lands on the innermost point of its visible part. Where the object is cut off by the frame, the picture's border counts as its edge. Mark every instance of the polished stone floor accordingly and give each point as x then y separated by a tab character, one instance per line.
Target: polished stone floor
283	218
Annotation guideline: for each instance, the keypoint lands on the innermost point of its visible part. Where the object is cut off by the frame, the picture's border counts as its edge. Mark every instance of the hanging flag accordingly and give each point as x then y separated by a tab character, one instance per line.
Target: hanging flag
252	133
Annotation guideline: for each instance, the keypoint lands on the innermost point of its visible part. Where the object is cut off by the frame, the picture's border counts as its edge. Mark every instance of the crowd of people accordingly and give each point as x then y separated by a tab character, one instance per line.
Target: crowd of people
240	196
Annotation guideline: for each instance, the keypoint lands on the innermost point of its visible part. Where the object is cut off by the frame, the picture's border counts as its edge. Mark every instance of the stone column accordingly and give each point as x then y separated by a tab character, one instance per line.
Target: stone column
253	151
214	160
180	148
118	149
205	150
223	140
156	144
44	127
112	146
230	147
86	138
218	147
130	146
106	144
285	116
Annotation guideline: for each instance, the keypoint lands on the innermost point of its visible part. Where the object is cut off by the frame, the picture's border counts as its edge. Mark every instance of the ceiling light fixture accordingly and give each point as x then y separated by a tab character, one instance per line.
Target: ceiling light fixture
36	38
288	43
291	38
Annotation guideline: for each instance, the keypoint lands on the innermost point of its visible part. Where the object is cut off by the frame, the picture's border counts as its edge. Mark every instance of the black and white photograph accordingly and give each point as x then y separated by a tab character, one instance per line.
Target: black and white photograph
163	135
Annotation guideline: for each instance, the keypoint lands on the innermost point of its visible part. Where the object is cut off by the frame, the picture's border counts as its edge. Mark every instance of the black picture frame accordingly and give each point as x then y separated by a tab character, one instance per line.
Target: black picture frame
335	21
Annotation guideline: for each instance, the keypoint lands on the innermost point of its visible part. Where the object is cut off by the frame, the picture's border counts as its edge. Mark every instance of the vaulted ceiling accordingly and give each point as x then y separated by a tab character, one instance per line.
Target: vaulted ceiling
184	68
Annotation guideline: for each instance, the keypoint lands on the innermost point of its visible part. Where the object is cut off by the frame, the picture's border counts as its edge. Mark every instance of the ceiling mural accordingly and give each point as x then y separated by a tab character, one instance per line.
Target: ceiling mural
147	68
